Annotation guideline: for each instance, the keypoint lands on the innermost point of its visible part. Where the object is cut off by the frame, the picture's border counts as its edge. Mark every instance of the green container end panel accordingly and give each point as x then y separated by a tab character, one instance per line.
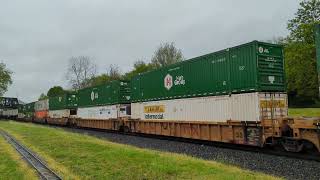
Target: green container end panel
114	92
29	107
254	66
270	67
65	101
21	108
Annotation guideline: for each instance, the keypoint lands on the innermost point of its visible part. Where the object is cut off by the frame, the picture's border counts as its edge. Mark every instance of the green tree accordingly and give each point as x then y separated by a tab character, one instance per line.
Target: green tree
301	73
42	97
139	67
55	91
166	54
301	27
5	78
98	80
300	54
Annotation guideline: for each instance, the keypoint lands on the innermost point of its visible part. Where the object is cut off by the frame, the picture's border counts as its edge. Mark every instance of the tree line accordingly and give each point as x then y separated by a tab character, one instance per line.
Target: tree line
300	55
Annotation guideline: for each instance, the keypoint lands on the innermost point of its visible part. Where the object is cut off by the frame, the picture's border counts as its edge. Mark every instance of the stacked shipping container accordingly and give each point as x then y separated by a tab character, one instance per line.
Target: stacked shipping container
244	83
8	103
41	110
21	112
63	106
228	80
242	107
10	113
107	101
9	107
250	67
29	110
26	111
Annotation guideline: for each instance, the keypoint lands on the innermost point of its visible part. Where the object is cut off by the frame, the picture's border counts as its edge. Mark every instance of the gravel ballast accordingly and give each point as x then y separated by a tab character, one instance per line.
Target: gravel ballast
289	168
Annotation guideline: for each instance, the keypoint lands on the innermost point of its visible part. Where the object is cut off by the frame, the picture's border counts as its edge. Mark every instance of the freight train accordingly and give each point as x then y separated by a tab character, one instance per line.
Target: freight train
236	95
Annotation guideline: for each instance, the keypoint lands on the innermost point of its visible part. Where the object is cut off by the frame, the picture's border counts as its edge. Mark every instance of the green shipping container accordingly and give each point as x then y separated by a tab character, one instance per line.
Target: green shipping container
29	107
114	92
255	66
21	108
65	101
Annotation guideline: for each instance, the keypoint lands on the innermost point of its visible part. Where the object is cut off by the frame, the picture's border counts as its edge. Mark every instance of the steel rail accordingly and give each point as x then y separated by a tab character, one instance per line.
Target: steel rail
43	170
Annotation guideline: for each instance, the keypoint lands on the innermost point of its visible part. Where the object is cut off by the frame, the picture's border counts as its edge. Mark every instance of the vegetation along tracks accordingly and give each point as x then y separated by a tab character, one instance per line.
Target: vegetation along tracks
44	171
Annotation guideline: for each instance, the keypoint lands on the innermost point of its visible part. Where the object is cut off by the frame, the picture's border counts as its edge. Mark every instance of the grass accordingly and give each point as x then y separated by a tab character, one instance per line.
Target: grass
11	164
76	156
309	112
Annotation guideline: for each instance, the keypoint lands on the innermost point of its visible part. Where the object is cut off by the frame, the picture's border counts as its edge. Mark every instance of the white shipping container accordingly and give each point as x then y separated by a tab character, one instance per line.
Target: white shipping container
63	113
21	115
104	112
42	105
242	107
10	112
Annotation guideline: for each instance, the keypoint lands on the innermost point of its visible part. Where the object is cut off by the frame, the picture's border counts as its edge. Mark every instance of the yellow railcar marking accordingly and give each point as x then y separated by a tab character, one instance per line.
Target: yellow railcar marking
154	109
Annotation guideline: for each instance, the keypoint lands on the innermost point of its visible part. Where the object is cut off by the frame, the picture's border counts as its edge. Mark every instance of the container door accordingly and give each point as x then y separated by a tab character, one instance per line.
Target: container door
270	67
220	73
273	105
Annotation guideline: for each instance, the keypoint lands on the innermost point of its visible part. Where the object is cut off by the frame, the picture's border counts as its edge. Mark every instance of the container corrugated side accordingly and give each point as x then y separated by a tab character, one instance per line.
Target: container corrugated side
10	112
72	100
29	114
21	115
21	108
242	107
103	112
8	102
251	67
41	114
65	101
30	107
62	113
115	92
42	105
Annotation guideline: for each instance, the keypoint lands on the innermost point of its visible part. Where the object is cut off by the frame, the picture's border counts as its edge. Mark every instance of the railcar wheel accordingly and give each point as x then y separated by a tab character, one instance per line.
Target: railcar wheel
292	145
310	148
124	129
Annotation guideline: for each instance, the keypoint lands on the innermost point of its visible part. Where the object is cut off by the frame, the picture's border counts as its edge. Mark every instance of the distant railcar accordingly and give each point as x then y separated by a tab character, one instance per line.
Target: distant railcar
62	107
26	112
41	109
9	102
10	113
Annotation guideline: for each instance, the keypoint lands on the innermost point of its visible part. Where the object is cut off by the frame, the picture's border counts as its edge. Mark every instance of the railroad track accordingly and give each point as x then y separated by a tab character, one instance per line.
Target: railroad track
43	170
270	151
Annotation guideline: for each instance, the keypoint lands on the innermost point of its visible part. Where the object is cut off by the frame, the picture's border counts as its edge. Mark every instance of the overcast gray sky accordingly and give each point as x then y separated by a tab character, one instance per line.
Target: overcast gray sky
38	37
